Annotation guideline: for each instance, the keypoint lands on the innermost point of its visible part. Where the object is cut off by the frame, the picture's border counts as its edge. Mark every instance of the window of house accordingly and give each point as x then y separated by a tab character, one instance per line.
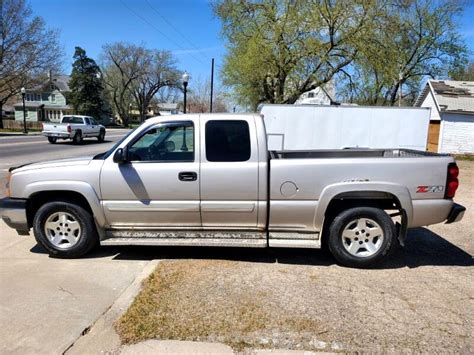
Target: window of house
227	141
168	142
53	97
310	95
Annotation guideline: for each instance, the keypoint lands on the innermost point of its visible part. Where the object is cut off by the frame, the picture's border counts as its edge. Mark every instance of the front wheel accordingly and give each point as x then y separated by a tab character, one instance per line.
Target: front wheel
52	140
64	229
362	236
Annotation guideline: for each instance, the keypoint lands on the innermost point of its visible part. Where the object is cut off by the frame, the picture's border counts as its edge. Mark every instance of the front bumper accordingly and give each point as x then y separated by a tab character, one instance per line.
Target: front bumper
13	213
456	213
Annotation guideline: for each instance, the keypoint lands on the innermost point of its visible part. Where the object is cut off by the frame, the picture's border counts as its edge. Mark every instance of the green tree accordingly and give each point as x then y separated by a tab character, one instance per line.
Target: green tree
279	49
415	39
87	91
463	72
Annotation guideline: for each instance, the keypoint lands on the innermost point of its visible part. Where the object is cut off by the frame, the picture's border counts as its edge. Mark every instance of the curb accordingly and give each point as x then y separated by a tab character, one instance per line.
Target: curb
100	337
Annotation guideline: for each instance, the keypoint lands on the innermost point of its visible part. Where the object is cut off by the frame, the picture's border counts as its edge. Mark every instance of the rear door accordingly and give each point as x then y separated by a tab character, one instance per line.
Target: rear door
229	173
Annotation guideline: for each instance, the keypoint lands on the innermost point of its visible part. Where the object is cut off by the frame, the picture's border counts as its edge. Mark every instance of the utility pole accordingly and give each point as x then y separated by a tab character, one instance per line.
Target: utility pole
400	77
212	83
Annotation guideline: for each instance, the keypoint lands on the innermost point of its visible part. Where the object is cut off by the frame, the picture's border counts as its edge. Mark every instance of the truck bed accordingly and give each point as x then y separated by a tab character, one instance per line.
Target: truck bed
351	153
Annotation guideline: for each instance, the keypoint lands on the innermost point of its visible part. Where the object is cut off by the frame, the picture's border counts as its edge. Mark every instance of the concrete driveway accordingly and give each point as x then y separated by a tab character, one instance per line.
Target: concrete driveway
46	303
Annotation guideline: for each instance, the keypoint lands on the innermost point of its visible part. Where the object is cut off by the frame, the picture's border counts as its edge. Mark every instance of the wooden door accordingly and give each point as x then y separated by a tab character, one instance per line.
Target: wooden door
433	136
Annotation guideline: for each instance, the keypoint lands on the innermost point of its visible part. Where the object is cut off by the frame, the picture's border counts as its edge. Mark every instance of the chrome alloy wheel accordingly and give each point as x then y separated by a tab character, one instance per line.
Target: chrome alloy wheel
362	237
62	229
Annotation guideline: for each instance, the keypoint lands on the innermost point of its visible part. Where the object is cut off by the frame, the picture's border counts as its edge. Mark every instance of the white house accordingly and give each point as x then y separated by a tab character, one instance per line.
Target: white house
451	127
323	95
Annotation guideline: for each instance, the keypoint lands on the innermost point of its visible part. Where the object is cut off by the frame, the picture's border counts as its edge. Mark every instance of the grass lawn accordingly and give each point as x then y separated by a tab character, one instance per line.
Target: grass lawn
195	300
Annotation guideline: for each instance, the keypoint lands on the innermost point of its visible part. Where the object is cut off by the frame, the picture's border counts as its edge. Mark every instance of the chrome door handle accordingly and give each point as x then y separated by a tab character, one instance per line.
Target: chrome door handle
187	176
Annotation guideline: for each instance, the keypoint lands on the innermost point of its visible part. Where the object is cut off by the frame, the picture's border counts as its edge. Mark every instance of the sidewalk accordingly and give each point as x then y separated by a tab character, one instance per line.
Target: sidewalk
19	134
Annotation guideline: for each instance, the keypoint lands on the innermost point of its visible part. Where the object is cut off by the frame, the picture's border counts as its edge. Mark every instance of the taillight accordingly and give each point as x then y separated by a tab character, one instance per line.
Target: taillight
69	128
452	182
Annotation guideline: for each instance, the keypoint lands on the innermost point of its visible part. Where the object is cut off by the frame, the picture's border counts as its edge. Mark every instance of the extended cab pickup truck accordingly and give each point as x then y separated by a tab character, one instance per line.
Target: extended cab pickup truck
75	128
209	180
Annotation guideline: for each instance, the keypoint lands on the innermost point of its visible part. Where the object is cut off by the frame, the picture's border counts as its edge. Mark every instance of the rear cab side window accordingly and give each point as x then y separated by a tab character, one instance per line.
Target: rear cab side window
227	141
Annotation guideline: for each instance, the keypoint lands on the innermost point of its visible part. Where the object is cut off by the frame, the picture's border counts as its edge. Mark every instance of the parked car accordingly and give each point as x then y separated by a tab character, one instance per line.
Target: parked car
209	180
74	127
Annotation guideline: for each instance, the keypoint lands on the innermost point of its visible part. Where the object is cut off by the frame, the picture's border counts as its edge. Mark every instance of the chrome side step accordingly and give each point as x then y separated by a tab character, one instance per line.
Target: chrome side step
294	240
203	242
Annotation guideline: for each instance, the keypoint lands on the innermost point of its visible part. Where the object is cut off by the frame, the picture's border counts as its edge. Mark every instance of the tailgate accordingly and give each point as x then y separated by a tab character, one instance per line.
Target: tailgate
55	128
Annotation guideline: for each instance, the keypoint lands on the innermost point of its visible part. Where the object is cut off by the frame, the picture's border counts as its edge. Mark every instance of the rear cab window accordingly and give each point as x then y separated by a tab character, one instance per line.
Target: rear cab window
72	119
227	141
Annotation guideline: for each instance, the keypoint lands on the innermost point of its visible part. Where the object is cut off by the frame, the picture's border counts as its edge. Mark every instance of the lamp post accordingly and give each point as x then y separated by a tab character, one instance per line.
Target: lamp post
23	93
184	147
185	85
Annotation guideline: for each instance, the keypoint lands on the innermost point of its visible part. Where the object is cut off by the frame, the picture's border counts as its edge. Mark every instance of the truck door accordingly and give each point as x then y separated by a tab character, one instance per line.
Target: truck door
229	173
159	186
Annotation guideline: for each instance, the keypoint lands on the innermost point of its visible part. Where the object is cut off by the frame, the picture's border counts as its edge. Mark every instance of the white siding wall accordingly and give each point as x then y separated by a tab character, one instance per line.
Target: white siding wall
456	134
429	102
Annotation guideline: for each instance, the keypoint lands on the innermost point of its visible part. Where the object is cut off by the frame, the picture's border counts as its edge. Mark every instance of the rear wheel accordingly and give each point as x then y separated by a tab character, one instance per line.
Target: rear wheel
64	229
77	139
362	236
52	140
101	136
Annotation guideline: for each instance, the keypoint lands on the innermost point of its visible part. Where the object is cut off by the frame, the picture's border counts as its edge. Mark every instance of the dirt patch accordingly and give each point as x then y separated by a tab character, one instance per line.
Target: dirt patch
422	300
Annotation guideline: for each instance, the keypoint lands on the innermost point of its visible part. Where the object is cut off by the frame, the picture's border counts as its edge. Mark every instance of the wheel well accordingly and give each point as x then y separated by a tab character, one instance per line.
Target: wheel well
382	200
40	198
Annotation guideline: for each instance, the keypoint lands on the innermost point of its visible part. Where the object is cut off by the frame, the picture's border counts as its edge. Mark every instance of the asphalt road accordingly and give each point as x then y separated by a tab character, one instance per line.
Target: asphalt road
18	150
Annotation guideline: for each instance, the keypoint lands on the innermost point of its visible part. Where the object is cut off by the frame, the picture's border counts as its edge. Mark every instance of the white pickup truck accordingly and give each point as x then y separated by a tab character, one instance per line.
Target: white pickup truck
74	127
209	180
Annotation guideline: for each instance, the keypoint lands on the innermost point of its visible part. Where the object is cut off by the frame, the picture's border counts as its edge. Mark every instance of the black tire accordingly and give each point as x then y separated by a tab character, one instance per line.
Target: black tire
101	136
77	139
337	244
88	237
52	140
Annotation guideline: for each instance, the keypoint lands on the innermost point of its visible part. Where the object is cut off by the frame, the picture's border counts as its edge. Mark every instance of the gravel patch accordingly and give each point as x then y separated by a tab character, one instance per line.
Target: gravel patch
422	300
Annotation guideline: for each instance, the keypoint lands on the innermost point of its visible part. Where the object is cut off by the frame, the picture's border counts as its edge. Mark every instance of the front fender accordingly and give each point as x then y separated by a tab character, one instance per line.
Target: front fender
80	187
331	191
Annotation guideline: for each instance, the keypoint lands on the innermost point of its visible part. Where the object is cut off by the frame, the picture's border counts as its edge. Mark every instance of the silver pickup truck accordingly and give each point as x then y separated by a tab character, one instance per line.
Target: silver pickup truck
74	127
209	180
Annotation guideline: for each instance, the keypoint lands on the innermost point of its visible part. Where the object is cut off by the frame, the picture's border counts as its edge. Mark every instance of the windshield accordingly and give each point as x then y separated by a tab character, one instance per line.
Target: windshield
106	154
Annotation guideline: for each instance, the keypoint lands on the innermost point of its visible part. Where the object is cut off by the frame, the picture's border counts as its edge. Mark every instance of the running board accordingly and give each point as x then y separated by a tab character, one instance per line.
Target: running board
185	238
200	242
292	243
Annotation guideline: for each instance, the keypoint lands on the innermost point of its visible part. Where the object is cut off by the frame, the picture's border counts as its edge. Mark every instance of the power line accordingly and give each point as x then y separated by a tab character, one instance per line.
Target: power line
172	26
159	31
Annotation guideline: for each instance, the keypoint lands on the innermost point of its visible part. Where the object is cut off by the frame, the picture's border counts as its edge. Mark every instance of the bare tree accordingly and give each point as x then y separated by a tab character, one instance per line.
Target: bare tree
199	98
134	75
122	64
160	72
27	49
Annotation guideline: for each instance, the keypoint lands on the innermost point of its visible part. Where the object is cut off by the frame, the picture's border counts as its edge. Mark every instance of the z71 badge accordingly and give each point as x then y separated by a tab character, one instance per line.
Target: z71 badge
425	189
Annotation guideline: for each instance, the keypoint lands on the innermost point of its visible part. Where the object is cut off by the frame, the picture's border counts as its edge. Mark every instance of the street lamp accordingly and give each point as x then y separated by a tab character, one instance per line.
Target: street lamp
185	85
184	147
23	93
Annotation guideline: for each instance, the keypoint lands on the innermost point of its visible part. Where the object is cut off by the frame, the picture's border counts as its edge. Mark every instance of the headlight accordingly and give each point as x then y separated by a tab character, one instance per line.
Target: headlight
7	184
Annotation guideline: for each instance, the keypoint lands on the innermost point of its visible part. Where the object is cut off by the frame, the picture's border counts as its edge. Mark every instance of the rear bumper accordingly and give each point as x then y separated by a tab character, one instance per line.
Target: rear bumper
456	213
56	135
13	213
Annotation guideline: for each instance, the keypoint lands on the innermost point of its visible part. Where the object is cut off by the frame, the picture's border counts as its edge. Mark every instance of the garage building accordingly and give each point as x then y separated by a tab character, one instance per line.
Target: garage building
451	127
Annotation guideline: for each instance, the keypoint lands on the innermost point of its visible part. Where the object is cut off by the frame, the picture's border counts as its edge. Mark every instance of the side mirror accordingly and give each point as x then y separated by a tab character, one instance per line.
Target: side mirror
121	155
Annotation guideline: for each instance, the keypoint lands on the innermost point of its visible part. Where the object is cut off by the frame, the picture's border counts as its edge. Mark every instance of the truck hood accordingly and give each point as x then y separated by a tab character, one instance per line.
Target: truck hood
52	164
